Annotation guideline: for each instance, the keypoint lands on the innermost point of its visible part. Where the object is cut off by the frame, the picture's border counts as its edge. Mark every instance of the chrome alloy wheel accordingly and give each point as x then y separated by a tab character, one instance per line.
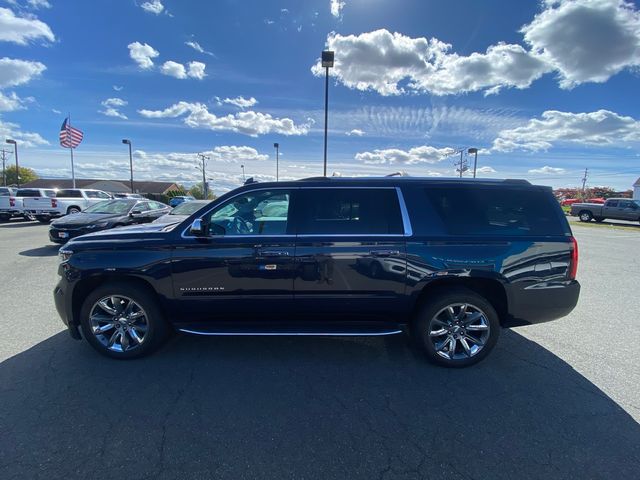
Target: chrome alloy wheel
459	331
119	323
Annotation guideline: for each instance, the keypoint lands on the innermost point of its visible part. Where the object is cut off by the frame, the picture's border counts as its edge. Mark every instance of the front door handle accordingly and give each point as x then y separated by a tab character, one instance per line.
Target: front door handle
384	253
273	253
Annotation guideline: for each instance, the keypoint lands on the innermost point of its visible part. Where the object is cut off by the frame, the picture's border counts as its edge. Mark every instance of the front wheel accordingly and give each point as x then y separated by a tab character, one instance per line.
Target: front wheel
72	210
585	216
43	219
123	321
457	328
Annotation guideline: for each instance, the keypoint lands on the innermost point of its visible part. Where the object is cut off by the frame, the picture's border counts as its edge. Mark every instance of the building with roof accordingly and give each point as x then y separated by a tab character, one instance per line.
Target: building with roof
636	189
111	186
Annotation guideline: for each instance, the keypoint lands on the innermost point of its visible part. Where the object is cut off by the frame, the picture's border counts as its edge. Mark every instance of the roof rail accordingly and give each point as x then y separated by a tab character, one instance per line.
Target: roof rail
518	181
313	179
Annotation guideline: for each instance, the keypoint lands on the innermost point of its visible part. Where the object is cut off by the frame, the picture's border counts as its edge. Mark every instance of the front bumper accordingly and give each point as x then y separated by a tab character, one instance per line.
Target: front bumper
63	235
62	298
542	303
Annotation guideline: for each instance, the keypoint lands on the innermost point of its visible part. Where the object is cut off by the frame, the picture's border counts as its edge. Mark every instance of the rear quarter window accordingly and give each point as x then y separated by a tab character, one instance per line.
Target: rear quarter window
69	194
495	211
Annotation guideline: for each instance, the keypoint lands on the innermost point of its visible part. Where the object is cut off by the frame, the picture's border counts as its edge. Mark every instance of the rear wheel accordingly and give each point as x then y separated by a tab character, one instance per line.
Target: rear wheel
585	216
123	321
457	328
72	210
5	218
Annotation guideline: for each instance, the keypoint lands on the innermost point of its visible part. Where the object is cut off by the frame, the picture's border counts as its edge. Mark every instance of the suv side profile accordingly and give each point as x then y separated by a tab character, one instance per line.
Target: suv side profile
449	261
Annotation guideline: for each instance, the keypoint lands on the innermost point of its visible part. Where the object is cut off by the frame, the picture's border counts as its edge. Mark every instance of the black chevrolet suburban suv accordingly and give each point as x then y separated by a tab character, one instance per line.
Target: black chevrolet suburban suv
449	261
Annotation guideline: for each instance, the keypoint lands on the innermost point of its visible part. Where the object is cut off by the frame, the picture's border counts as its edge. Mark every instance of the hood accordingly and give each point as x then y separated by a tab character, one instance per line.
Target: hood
84	219
131	232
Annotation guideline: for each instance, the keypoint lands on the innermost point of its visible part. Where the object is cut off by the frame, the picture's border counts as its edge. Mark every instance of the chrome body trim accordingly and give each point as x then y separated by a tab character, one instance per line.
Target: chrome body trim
291	334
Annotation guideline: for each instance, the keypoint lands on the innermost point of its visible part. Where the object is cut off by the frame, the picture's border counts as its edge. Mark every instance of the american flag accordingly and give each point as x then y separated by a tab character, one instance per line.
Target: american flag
70	137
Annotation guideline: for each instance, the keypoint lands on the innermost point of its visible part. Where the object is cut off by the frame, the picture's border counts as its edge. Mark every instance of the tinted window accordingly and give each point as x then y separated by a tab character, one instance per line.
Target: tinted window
28	192
50	193
96	194
495	211
624	204
69	194
263	212
142	206
110	206
157	205
349	211
612	203
187	208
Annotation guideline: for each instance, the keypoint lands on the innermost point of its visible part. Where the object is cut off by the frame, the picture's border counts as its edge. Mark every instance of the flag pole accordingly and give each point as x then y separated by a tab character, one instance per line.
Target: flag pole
73	173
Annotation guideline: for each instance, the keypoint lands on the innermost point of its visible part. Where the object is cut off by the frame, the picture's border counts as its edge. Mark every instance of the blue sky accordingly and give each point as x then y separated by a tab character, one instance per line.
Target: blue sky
544	89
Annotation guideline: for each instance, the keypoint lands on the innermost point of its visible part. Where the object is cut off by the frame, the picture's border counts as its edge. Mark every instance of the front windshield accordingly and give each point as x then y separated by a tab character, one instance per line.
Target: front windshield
186	208
114	207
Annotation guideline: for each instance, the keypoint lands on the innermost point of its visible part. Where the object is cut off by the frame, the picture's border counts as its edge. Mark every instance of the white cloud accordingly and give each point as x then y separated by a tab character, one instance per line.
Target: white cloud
112	106
249	123
586	40
22	30
142	54
547	170
37	4
602	127
173	69
25	139
355	132
382	61
486	169
240	102
336	7
196	70
422	154
223	153
198	48
56	111
10	102
154	6
18	72
117	88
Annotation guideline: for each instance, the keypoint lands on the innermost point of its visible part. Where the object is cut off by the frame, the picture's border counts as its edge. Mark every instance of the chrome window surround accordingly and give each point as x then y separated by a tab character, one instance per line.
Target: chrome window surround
406	221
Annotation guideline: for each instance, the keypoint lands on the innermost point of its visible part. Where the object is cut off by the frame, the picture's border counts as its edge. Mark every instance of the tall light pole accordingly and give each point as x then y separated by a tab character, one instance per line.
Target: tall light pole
128	142
277	147
475	160
4	170
203	168
243	178
327	63
15	150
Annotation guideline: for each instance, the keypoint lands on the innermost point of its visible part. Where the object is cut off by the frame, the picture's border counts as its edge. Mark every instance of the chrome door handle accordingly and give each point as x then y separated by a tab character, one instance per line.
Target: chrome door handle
273	253
384	253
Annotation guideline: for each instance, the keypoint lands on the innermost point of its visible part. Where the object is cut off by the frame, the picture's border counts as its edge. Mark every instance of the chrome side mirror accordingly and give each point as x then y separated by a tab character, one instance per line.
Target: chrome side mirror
197	227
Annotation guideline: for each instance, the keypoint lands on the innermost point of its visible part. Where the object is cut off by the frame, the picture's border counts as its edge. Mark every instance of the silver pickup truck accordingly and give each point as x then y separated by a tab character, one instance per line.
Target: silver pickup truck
613	208
13	205
66	202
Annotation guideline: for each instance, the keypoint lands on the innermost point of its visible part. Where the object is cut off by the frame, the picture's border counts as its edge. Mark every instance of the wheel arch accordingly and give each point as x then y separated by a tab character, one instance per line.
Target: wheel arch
86	286
73	206
491	289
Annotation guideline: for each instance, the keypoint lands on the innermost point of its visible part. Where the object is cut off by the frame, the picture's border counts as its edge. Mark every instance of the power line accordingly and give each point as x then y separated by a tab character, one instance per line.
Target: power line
584	178
4	171
203	168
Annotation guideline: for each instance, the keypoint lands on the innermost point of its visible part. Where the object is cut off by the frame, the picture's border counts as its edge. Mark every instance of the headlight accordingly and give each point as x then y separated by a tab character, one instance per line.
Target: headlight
97	225
64	254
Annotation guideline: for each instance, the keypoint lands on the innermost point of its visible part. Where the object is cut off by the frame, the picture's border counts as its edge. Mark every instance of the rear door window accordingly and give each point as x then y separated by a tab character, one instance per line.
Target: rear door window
28	192
495	211
69	194
349	211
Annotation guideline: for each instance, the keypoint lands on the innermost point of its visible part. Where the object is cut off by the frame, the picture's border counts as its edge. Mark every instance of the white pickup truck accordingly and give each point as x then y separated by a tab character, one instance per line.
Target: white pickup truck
66	202
13	205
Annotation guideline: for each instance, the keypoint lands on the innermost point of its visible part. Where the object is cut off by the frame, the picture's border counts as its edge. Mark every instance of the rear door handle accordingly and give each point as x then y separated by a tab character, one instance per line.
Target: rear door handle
384	253
273	253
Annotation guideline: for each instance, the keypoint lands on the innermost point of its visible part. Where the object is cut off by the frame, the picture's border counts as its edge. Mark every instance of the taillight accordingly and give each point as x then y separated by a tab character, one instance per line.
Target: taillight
54	203
12	202
573	266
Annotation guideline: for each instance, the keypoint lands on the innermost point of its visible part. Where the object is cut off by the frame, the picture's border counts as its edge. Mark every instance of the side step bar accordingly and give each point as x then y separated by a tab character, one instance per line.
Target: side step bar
365	330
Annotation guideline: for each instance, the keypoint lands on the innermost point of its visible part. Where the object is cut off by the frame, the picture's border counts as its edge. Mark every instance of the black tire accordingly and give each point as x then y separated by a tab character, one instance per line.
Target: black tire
585	216
72	210
5	218
45	220
438	302
157	328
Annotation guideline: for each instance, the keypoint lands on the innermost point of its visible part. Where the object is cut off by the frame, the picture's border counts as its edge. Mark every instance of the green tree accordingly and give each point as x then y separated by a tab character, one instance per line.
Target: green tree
180	192
197	191
26	175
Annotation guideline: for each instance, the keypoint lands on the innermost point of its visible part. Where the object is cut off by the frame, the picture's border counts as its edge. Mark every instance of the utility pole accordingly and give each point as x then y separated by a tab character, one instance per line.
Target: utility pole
203	159
584	180
4	171
462	164
277	147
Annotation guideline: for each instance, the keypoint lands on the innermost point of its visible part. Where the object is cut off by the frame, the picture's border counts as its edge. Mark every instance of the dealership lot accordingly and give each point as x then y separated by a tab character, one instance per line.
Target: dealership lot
554	400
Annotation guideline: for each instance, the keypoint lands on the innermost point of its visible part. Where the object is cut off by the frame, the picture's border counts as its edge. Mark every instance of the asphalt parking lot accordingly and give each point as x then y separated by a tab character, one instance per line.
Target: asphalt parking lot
557	400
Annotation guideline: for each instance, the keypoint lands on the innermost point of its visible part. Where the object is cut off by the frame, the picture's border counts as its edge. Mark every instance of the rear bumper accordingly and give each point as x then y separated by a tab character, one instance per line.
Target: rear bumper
43	213
539	304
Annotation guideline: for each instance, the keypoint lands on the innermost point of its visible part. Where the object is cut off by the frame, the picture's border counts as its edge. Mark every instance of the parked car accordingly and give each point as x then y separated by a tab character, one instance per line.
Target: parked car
175	201
570	201
66	202
182	211
14	205
105	215
7	191
613	208
128	195
483	254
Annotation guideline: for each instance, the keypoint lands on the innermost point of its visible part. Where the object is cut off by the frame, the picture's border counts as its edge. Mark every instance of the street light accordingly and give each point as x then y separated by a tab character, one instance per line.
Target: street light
128	142
243	179
277	147
327	63
475	160
15	149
